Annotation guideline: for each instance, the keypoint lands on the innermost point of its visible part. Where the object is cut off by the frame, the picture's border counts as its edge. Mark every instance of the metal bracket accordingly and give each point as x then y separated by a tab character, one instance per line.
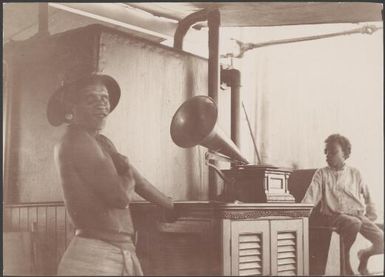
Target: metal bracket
209	157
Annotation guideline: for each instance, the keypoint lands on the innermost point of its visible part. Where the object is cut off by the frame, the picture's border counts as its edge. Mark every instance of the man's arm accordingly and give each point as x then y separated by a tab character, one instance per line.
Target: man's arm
94	168
370	206
146	190
314	192
142	187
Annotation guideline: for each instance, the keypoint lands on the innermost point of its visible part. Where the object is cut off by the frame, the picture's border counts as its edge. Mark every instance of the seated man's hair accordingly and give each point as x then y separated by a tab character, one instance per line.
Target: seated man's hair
341	140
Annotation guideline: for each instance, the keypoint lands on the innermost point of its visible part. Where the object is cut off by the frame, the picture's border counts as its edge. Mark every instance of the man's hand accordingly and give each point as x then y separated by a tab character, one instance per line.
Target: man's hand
170	215
371	216
371	213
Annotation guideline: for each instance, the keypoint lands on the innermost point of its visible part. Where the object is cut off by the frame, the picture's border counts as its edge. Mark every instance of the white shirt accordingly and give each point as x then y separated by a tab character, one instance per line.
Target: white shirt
341	191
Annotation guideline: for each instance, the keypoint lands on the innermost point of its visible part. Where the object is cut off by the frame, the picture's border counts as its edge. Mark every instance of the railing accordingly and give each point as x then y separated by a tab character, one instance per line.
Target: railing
49	223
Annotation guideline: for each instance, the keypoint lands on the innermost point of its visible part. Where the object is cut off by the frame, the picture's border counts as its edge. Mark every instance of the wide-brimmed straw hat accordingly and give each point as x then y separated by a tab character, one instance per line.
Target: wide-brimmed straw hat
63	97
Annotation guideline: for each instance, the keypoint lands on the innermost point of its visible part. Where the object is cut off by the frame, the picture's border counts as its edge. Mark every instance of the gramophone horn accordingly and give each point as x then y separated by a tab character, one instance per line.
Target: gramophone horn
195	123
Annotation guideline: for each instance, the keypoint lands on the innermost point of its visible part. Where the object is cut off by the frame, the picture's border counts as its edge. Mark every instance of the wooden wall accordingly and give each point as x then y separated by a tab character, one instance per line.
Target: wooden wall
154	79
52	232
186	247
36	68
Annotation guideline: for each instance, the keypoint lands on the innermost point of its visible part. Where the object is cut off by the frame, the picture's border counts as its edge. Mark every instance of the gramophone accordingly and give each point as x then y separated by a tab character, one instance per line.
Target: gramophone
195	123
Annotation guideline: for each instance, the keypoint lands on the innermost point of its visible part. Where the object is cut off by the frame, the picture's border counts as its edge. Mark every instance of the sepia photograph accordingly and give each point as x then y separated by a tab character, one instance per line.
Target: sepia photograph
193	138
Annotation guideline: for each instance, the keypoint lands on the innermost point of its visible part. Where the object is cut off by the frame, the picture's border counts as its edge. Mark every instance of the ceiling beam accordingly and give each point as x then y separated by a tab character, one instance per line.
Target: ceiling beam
123	16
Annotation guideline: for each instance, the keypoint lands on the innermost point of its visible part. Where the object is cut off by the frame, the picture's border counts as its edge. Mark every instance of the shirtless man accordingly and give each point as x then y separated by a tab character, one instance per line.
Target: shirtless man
97	181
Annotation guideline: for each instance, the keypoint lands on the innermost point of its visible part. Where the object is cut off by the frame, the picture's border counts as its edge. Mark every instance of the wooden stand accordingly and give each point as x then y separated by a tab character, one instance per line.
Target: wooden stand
224	239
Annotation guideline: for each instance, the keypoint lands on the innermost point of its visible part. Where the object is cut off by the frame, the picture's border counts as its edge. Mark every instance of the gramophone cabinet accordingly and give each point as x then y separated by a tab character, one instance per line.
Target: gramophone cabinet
258	184
211	239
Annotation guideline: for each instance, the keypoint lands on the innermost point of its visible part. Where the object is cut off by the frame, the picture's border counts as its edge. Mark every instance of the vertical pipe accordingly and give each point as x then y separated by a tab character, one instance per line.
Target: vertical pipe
235	106
213	80
213	18
214	23
232	78
184	26
43	19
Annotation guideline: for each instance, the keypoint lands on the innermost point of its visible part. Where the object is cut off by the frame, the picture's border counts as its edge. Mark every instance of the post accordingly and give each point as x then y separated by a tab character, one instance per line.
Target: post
43	19
232	78
214	80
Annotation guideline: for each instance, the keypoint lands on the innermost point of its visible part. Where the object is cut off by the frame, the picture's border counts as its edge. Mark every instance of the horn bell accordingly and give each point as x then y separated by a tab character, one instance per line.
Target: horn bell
195	123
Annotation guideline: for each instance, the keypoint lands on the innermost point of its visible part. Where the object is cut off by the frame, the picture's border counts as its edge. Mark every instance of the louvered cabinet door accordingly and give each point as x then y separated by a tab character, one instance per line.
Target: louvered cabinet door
286	247
250	248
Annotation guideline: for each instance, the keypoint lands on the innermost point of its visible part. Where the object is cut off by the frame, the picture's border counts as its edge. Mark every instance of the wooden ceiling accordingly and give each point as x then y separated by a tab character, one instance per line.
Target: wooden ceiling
20	20
244	14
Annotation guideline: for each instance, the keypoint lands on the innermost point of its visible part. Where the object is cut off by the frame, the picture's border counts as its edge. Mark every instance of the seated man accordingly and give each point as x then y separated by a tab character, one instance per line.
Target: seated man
345	202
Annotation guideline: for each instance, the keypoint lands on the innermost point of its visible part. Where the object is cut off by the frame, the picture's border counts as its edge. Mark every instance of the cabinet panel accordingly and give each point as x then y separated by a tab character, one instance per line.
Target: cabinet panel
286	247
250	248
